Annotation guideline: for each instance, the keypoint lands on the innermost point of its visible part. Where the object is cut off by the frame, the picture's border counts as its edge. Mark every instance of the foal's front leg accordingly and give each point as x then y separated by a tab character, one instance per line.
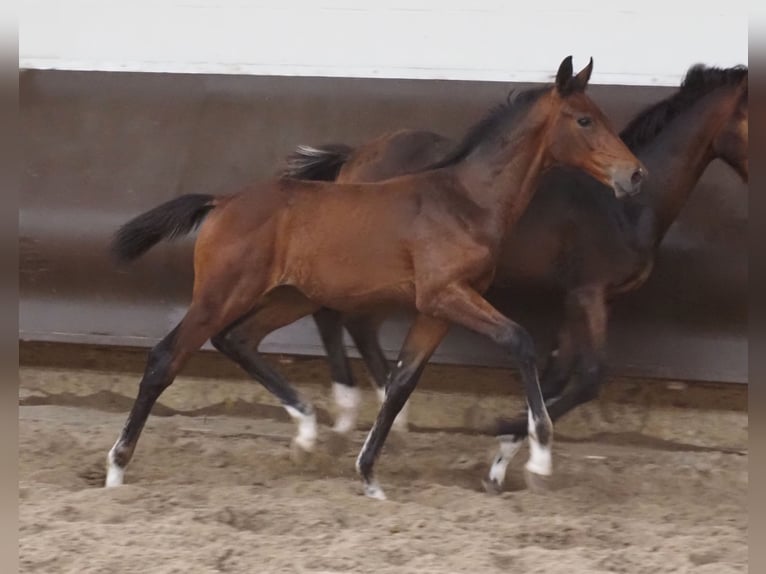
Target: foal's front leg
364	332
466	307
424	336
586	323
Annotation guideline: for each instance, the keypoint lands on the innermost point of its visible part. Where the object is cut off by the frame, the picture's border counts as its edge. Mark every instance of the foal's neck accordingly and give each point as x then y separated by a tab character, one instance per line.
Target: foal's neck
501	177
677	157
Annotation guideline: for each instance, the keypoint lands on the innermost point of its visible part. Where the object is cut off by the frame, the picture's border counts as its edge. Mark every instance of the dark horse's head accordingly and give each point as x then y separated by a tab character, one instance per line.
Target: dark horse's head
730	142
713	98
581	136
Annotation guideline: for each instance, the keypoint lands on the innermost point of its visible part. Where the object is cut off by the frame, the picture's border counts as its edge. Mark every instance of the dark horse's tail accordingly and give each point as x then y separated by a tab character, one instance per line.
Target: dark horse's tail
317	163
173	218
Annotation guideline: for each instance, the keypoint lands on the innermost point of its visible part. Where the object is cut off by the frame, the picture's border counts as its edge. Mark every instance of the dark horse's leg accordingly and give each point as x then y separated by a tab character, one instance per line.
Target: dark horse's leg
463	306
344	389
559	367
586	321
240	340
364	332
592	316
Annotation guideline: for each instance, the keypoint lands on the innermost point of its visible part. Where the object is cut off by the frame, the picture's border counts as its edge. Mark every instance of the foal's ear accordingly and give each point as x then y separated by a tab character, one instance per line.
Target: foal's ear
564	76
580	81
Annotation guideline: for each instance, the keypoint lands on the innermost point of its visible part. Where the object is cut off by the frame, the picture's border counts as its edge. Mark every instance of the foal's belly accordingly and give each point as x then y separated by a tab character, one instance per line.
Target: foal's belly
349	255
351	277
351	288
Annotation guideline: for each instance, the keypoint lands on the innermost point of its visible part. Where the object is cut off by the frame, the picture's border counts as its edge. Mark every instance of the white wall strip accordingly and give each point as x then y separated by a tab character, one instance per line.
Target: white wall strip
651	42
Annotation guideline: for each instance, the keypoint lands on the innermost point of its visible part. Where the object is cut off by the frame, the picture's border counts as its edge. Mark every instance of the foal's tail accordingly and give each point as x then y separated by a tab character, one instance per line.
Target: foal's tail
172	219
317	163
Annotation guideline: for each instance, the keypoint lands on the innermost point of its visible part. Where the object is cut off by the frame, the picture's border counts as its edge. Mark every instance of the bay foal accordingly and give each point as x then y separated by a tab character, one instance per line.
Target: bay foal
427	242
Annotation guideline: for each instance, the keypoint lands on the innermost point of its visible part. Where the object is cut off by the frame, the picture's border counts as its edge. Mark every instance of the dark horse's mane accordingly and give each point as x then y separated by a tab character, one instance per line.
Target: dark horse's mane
497	117
699	81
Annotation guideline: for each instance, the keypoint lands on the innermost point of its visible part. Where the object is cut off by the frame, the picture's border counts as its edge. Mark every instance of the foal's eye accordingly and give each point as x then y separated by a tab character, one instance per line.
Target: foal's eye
584	121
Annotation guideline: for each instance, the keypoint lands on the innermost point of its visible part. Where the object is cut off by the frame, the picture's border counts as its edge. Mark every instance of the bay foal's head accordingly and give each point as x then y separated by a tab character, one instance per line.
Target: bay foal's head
578	134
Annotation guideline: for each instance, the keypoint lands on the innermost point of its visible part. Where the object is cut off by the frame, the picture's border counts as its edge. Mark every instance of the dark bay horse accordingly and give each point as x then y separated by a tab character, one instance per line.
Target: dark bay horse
427	242
572	236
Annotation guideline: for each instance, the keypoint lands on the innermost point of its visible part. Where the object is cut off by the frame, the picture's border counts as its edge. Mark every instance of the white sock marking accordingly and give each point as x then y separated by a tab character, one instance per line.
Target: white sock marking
508	449
115	475
307	428
347	400
540	460
371	489
363	449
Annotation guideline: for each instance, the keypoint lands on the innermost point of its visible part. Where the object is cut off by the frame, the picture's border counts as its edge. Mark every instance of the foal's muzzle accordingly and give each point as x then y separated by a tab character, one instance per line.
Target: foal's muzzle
630	184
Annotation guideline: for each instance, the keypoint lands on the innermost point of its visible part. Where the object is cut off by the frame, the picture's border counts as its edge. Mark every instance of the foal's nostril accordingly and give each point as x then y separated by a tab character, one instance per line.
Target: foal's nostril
637	176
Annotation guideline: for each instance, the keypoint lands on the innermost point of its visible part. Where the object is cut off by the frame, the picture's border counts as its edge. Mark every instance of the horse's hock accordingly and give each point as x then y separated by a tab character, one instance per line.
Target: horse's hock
102	147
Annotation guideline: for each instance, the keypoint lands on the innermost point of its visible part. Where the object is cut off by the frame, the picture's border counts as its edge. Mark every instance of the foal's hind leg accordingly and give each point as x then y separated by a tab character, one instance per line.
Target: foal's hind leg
240	340
163	364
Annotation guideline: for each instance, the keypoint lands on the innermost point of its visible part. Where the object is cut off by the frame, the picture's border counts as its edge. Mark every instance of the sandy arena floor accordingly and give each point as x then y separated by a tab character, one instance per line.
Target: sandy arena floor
212	488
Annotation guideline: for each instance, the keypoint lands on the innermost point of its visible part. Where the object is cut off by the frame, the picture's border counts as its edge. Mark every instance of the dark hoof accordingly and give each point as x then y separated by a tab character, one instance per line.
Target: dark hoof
492	487
538	482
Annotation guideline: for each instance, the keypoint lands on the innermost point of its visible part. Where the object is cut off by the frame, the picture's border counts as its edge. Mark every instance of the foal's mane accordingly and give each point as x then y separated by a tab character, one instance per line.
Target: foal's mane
499	116
699	81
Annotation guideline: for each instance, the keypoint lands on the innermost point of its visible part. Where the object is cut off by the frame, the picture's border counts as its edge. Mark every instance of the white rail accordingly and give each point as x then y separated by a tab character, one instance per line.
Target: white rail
650	42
